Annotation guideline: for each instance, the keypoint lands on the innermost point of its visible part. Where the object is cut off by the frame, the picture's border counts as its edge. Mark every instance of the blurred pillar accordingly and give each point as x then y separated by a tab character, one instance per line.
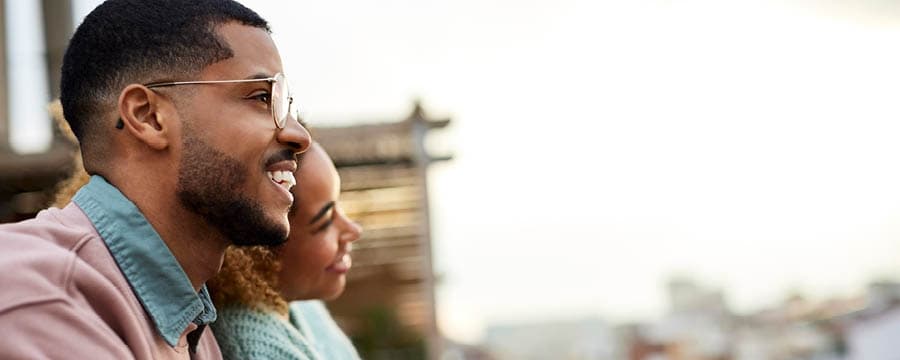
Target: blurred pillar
4	83
421	159
28	180
57	30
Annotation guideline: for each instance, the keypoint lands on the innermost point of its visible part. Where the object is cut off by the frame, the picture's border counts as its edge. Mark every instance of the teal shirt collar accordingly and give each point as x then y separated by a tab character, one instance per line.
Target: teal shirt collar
157	279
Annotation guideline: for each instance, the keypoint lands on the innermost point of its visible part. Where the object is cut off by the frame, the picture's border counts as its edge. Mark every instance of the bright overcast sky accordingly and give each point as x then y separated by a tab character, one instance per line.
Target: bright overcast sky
601	147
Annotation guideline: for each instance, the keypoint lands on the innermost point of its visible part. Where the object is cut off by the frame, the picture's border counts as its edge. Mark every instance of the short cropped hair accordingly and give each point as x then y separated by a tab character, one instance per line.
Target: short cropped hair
122	42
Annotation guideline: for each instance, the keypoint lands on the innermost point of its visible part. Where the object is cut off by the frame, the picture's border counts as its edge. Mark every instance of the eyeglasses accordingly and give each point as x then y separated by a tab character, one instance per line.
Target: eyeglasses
280	99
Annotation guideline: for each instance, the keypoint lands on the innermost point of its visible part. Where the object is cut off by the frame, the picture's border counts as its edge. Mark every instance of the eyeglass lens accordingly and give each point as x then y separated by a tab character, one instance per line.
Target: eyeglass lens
280	102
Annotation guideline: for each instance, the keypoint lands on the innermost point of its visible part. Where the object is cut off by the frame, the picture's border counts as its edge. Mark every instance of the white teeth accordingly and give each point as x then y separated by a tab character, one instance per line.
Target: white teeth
291	180
287	179
283	178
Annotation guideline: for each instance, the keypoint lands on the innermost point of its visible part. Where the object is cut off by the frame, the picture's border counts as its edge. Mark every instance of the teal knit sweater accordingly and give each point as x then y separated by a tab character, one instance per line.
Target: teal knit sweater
311	334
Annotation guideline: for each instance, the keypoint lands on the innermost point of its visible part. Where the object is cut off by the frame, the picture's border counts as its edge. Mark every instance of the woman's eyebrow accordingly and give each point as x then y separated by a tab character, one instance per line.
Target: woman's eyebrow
322	212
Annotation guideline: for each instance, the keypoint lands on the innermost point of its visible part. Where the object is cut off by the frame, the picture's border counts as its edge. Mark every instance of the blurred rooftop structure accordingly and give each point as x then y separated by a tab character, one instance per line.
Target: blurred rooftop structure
383	170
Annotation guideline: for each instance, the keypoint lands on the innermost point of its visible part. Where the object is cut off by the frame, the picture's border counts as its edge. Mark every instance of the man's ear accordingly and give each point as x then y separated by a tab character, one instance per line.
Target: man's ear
142	114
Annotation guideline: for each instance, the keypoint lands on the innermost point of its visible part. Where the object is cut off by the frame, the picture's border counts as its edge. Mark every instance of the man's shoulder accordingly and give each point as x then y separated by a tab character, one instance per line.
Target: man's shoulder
53	303
40	258
51	229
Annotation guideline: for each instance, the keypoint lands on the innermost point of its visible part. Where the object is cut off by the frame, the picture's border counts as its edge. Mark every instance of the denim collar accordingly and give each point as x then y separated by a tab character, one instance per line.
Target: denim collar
154	274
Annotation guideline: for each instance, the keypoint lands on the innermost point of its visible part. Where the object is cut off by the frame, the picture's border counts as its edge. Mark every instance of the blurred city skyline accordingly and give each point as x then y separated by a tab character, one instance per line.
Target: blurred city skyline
602	147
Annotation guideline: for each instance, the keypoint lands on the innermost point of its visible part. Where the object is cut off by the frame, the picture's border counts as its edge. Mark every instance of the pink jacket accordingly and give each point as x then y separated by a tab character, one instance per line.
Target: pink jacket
63	296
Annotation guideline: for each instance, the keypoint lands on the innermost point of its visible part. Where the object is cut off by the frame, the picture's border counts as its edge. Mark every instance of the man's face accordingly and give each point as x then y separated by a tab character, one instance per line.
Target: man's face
236	166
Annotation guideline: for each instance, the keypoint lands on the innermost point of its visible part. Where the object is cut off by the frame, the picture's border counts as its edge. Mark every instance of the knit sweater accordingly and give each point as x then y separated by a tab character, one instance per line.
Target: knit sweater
314	321
309	334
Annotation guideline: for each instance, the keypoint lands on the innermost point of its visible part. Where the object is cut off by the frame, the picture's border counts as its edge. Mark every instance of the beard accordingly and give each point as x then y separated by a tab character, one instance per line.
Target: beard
209	185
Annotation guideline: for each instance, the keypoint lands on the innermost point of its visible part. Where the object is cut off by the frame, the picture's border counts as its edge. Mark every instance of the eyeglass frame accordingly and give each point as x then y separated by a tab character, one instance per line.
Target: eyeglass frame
280	124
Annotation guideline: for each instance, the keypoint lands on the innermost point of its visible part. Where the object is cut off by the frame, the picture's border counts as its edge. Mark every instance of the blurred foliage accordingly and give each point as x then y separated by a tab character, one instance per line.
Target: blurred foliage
381	337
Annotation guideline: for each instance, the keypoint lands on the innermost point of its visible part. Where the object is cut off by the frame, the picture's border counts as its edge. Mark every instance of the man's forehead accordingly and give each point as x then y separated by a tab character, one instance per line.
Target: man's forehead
254	54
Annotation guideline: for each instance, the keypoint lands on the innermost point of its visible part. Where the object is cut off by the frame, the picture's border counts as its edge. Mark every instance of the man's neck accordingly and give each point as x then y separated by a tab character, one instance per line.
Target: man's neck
197	247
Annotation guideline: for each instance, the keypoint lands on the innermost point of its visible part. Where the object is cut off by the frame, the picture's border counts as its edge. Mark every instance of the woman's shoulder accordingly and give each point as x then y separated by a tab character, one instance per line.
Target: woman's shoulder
315	322
241	314
244	332
310	309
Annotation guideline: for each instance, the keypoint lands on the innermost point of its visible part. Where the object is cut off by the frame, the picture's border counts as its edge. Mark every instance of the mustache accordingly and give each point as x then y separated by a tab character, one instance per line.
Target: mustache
282	155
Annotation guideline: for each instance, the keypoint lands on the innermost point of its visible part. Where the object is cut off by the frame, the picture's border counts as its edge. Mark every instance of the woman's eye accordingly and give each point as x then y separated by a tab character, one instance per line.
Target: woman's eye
323	226
327	223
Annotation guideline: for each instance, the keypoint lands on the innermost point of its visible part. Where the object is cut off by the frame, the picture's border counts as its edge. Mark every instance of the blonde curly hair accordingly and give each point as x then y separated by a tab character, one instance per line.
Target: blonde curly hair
249	277
67	188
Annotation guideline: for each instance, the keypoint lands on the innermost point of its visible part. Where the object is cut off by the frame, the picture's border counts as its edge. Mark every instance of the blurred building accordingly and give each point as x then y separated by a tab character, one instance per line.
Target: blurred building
458	351
388	305
795	329
582	339
872	331
697	326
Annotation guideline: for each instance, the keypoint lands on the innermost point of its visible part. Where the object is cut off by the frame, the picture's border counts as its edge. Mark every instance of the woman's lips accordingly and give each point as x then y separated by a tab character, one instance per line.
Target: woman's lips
342	265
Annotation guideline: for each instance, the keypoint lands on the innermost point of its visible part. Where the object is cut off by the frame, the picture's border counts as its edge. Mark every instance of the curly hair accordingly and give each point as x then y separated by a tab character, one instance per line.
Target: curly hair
249	277
67	188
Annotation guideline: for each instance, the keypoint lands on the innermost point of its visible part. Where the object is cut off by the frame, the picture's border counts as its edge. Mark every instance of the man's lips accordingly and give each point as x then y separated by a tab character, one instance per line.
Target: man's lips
282	178
281	157
280	168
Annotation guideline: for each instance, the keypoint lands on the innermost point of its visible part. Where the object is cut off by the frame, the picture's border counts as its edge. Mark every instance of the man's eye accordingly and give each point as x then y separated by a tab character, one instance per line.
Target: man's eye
262	97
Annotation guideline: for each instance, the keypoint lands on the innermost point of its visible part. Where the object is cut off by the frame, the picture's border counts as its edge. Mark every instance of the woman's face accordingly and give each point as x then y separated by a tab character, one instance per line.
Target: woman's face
316	256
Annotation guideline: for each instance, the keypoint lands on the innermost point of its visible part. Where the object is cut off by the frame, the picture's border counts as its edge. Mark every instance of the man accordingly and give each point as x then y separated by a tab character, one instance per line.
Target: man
186	124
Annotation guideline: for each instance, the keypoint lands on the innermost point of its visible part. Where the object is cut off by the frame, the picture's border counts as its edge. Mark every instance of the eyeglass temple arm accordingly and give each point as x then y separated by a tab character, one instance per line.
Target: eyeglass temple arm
174	83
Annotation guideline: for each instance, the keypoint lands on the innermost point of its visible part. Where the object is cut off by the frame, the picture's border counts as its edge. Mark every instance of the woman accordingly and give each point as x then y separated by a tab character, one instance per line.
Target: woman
255	284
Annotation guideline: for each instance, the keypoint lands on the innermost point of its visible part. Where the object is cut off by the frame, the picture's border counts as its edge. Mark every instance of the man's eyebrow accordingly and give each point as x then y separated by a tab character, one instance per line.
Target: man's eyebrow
322	212
260	76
